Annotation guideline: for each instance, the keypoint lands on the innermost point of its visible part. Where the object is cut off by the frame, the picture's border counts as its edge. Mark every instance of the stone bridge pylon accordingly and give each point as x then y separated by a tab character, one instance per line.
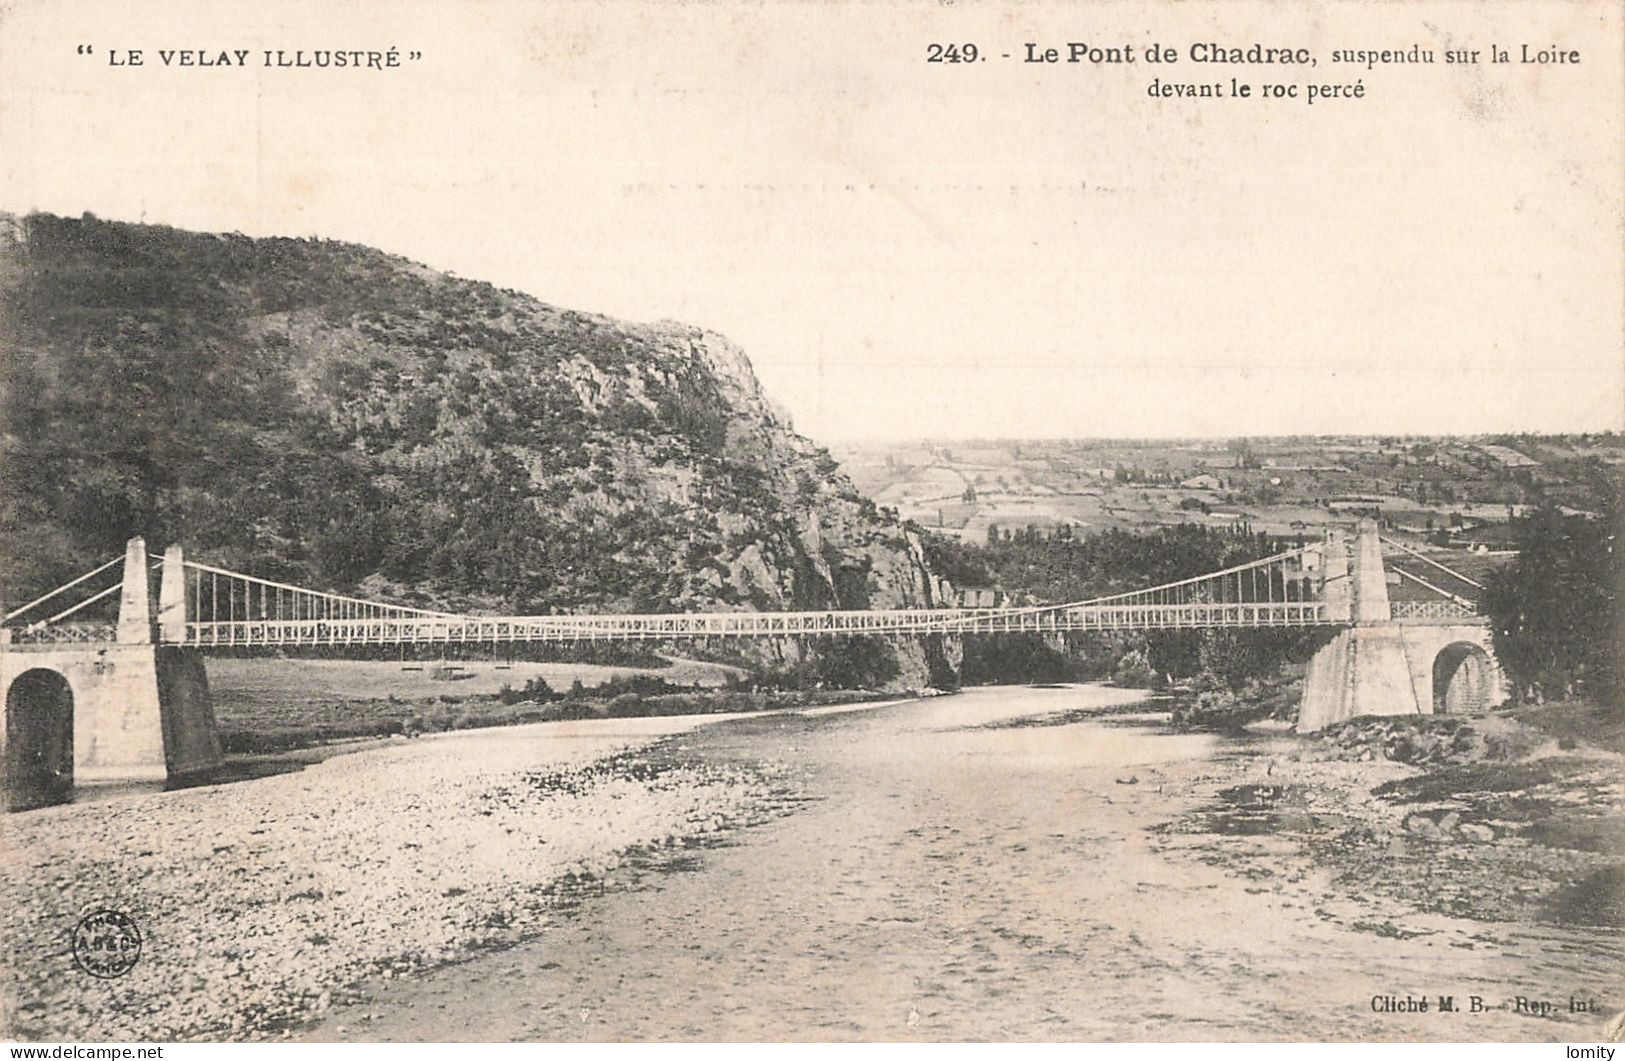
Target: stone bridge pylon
1386	662
125	708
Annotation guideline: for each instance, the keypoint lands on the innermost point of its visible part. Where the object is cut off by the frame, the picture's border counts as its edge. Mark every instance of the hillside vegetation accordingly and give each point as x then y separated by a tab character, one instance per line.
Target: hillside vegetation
333	416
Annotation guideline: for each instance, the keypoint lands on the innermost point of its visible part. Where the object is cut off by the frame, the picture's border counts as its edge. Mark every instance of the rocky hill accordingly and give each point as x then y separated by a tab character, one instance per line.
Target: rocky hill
331	415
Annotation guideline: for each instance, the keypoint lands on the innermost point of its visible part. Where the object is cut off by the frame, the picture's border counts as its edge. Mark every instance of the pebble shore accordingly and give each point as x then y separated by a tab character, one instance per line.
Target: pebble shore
261	903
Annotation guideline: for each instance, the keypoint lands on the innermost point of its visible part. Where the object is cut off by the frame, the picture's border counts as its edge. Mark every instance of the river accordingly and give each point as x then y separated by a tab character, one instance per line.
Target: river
993	865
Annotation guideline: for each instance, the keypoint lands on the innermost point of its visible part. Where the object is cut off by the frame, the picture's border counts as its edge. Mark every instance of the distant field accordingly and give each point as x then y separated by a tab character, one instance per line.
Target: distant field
248	680
268	705
1281	487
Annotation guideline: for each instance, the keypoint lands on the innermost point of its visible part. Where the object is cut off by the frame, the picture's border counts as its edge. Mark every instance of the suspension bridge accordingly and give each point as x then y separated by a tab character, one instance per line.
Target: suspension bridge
126	696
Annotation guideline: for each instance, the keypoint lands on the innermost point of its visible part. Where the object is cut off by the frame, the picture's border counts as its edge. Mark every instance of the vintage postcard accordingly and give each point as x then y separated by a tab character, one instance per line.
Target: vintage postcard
764	520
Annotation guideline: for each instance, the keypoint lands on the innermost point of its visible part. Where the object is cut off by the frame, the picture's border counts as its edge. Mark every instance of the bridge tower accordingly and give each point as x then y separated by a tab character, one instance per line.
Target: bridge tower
132	708
1387	665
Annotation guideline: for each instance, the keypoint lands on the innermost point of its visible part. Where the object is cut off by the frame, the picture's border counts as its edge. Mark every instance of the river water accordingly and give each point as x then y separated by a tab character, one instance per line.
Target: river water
993	865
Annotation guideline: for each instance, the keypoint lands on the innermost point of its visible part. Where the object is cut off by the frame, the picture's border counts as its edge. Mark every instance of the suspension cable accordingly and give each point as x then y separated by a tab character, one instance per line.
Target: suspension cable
65	586
317	593
114	588
1435	563
1442	592
1220	574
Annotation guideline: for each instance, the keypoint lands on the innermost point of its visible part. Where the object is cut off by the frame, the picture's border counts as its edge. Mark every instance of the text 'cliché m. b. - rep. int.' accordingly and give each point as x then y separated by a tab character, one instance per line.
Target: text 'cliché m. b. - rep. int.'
1450	1004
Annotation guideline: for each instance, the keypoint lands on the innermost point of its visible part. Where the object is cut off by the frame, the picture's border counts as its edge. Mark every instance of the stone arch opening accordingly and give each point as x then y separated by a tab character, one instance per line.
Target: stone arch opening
39	738
1463	678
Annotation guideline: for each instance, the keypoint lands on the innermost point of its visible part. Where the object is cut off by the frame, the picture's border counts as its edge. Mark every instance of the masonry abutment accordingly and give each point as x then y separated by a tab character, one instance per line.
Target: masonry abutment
140	711
1384	666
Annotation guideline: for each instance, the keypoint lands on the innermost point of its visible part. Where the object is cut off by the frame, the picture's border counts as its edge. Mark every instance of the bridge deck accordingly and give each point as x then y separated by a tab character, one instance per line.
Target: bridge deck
474	629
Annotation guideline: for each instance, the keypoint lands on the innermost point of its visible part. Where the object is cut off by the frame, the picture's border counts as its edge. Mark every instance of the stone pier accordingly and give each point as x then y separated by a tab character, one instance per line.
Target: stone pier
1381	665
128	709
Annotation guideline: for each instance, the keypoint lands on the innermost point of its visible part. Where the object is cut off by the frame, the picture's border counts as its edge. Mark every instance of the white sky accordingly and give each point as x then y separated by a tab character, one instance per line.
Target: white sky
910	250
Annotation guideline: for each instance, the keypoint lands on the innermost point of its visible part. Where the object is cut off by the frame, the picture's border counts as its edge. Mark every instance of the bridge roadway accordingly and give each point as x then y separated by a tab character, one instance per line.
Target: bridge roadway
502	629
674	626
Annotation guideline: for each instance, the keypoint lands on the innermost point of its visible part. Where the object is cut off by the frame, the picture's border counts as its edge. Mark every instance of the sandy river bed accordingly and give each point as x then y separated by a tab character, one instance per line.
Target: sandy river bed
1004	864
1012	863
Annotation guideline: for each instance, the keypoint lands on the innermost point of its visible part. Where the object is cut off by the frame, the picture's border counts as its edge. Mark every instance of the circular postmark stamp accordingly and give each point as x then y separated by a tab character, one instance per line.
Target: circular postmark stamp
106	943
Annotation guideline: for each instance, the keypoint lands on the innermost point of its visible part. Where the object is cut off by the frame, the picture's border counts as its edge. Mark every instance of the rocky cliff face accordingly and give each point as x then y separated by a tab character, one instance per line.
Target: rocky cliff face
332	415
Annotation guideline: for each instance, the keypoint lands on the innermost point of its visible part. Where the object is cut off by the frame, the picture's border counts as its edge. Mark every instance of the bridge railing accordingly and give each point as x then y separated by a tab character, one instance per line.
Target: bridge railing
1434	610
63	634
677	626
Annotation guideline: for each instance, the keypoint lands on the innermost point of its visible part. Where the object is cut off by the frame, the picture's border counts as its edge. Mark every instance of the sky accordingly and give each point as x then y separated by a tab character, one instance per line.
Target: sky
906	249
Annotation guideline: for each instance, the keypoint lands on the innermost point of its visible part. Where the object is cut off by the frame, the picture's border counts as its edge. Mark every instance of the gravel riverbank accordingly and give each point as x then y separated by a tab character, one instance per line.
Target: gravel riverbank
259	902
1046	864
1022	863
